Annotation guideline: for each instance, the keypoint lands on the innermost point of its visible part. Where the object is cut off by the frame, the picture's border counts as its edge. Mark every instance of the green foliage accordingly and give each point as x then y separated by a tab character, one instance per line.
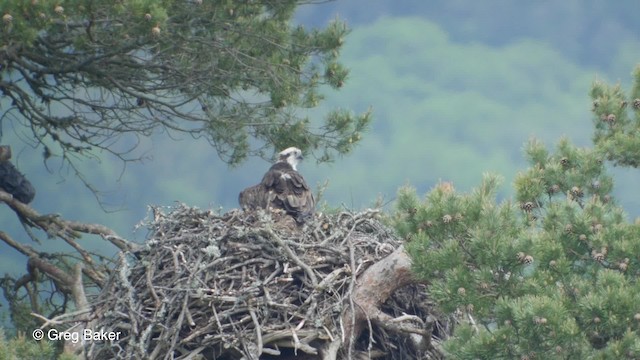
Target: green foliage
23	348
35	293
554	275
465	245
617	121
20	306
94	75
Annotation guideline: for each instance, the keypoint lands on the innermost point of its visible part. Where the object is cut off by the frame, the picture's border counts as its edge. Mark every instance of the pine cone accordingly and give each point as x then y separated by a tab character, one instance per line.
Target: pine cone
599	257
596	228
636	104
528	206
528	259
577	192
568	229
539	320
553	189
447	218
610	119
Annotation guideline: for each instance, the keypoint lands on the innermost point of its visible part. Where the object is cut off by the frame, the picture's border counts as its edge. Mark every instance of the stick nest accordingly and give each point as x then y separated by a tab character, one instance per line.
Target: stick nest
244	285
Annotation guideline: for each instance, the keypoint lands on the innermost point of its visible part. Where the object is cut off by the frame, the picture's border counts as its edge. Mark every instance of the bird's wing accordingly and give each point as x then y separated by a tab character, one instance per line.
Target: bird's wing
303	202
252	197
16	184
297	183
271	178
298	198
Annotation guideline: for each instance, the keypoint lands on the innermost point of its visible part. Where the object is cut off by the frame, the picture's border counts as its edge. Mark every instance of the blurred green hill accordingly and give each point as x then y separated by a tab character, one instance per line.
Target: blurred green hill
594	33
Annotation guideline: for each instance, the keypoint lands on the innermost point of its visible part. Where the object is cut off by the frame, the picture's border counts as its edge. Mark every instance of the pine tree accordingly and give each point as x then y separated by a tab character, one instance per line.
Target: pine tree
553	273
90	76
84	78
617	121
23	347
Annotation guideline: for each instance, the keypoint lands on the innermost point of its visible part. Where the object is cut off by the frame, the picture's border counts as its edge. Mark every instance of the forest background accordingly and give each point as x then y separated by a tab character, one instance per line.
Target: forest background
456	89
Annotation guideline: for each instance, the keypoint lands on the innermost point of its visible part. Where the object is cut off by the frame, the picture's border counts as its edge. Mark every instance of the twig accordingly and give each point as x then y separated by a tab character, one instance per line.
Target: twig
352	306
256	324
294	257
70	317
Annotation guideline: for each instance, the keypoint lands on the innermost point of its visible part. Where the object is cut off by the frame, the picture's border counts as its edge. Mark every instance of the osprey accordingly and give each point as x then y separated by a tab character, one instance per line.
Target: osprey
282	187
12	181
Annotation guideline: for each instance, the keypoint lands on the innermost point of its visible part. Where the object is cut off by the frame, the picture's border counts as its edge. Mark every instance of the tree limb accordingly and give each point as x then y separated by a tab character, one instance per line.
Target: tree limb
374	287
53	224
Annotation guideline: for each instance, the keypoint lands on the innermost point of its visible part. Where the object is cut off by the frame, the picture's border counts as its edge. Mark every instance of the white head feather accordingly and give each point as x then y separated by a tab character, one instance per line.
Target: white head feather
291	155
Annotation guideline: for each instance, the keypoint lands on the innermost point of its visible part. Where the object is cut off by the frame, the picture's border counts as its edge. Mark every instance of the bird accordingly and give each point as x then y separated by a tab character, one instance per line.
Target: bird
12	181
282	187
5	152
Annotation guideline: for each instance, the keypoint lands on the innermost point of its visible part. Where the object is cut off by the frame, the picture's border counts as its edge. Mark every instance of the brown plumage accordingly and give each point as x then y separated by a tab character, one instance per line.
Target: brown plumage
13	181
5	152
282	187
253	197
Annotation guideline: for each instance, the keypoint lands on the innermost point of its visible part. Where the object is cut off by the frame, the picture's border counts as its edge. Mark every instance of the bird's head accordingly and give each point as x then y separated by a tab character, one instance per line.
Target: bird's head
291	155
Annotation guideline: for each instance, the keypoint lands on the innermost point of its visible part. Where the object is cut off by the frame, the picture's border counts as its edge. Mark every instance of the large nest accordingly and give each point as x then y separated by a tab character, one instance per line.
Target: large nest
246	286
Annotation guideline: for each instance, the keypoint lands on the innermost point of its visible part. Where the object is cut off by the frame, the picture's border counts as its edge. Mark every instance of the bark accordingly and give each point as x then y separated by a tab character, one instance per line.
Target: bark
373	288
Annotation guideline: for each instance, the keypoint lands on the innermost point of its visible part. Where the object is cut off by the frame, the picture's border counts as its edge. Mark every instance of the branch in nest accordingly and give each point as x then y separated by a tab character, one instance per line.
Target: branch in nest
293	257
374	287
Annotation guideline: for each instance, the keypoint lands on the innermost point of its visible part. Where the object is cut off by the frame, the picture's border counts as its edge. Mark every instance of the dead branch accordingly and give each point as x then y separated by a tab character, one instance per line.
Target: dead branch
54	225
68	279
